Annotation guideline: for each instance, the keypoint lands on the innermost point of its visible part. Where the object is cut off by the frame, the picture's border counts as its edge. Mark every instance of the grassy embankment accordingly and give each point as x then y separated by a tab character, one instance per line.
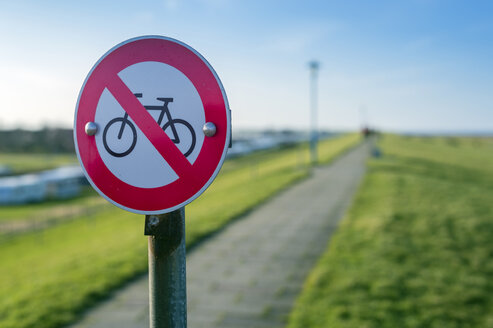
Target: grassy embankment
24	163
87	202
416	248
47	277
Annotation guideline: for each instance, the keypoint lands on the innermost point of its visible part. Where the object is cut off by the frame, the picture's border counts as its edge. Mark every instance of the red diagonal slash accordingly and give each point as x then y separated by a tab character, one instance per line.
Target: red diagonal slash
158	138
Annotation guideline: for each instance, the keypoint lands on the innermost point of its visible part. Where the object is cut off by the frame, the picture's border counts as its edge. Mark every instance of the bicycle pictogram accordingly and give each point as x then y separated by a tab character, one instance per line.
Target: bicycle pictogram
171	123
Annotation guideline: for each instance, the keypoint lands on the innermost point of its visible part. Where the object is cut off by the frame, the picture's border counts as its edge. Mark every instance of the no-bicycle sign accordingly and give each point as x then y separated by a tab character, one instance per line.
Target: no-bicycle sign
152	125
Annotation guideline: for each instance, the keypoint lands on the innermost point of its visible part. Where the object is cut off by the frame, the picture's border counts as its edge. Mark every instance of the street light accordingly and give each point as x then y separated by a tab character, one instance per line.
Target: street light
314	66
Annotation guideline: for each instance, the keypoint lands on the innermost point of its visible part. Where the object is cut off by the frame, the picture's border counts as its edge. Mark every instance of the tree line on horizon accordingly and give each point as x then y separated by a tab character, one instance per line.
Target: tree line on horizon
46	140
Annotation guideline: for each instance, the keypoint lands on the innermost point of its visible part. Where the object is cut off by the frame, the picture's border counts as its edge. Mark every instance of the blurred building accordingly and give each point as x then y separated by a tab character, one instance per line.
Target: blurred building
248	141
63	182
22	189
5	170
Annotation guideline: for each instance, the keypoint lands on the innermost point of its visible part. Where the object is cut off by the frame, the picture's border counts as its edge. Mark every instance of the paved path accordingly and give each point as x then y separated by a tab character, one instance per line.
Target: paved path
250	274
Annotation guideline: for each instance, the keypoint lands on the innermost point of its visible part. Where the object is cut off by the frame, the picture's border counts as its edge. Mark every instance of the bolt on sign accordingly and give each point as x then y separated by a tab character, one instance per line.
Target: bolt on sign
152	125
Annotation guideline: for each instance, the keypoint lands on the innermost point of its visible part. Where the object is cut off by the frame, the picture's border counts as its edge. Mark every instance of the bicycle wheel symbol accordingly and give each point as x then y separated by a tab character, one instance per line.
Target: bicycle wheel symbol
124	122
173	128
172	125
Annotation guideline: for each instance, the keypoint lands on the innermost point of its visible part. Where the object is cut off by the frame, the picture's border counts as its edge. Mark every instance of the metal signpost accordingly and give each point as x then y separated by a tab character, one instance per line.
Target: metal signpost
314	66
152	128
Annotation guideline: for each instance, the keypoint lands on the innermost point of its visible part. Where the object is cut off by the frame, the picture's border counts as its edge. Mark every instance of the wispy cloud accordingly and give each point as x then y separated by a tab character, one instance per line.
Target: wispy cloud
171	4
217	3
299	37
35	95
144	17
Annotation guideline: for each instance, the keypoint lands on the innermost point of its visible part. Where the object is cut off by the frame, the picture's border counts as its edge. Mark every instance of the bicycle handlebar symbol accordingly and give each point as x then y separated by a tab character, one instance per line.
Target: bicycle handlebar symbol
172	123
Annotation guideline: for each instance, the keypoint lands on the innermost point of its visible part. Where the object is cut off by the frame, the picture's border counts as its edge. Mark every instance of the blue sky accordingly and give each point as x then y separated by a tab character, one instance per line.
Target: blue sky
419	65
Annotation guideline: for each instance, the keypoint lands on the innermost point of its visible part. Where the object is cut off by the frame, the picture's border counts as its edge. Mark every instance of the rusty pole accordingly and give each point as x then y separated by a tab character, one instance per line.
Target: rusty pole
167	269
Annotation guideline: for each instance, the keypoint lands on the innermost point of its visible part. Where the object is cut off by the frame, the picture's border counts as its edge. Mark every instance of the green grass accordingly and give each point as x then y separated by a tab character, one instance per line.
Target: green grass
88	200
416	248
24	163
48	277
327	149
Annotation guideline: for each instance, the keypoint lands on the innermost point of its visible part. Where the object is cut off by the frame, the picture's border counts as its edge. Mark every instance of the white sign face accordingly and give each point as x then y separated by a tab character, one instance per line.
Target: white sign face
163	91
149	99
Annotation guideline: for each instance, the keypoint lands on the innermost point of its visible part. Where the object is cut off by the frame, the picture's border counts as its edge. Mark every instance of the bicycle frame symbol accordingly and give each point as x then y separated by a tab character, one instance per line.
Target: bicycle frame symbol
170	124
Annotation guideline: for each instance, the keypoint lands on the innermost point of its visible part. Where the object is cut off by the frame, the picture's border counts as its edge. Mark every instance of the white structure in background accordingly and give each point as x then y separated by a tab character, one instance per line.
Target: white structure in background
63	182
21	189
246	142
5	170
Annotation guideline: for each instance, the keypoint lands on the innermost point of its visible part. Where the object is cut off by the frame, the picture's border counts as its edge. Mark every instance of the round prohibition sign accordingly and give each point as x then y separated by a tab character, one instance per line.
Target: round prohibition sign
193	177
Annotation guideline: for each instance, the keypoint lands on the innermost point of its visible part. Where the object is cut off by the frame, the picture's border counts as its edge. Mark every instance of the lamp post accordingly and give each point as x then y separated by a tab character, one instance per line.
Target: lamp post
314	66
